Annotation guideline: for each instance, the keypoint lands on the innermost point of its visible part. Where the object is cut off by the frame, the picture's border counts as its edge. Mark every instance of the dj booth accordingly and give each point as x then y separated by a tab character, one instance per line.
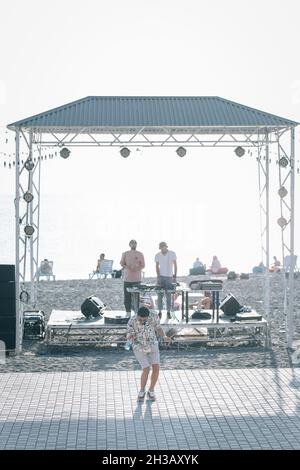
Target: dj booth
212	286
225	319
224	322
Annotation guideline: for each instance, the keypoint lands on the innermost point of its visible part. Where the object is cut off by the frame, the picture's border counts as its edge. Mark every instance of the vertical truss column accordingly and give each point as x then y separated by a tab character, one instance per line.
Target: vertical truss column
27	225
19	313
32	224
267	274
292	248
264	205
286	162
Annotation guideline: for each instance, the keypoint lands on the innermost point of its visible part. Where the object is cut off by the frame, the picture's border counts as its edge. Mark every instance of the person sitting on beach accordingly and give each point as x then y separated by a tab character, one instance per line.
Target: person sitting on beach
275	268
205	302
141	331
99	262
216	267
198	268
46	267
259	269
197	264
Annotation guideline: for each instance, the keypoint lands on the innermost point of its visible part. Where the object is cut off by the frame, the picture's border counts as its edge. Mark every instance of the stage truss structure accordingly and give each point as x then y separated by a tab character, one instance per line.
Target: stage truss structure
258	140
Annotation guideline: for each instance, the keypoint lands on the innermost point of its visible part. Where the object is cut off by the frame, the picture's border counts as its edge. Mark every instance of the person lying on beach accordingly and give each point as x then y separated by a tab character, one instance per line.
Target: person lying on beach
141	331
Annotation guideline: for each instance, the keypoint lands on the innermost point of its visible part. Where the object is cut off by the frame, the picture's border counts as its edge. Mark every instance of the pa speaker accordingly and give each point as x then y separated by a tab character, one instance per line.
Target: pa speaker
7	324
8	307
92	307
9	340
230	305
7	290
7	272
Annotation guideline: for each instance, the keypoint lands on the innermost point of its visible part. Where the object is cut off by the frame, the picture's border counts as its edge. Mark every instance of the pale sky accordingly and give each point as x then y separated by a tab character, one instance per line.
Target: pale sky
247	51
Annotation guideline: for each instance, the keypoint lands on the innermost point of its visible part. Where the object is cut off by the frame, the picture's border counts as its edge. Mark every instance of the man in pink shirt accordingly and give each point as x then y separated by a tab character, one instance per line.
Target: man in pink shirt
133	262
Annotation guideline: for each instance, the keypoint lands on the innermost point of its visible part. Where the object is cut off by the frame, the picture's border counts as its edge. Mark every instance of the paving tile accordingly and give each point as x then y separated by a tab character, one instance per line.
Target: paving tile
211	409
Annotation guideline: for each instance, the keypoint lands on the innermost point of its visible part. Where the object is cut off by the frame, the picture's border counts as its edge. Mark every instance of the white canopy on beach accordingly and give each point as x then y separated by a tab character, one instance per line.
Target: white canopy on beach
164	121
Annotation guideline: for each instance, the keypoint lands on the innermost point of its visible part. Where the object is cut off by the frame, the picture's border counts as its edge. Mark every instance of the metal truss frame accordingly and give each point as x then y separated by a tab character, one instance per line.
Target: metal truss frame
286	185
143	137
258	139
26	214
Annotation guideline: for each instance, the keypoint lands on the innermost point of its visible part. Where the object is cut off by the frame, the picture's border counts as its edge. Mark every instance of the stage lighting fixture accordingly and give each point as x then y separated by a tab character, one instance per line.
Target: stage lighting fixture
282	192
181	151
29	165
239	151
282	222
28	197
24	296
64	152
125	152
29	230
283	161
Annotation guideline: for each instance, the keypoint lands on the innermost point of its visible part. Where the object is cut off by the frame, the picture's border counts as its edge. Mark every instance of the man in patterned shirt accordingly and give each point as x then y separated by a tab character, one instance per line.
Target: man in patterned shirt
141	330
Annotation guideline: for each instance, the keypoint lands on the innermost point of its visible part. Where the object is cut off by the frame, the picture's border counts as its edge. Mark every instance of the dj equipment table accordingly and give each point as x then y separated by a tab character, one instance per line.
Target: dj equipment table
214	287
137	290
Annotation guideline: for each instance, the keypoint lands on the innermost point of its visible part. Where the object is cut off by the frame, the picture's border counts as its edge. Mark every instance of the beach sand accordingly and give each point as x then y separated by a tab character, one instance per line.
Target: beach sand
69	295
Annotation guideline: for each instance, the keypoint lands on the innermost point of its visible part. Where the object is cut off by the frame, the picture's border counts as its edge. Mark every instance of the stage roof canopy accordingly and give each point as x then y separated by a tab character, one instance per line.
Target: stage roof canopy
154	114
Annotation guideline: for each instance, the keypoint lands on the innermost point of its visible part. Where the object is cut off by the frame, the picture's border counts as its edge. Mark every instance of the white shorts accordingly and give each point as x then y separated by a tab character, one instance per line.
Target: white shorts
146	359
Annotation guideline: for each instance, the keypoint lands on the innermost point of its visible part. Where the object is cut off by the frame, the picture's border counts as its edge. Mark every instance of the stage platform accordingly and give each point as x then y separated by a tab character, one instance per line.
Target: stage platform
73	328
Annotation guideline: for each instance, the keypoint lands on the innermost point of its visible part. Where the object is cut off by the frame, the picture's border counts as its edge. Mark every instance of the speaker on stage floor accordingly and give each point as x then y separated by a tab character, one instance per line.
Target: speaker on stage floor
92	307
230	306
7	272
8	306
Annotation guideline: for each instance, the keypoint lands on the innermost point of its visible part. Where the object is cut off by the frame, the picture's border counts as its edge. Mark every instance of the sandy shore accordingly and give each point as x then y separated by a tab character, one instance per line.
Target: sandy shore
69	295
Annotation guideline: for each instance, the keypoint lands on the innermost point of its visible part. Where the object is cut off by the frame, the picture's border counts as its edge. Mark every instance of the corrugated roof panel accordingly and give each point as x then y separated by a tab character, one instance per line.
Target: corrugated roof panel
100	112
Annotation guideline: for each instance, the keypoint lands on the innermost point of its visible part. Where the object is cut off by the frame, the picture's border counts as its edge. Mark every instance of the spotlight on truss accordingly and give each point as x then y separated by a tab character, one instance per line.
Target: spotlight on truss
64	152
239	151
125	152
282	192
283	161
29	165
29	230
28	197
181	151
282	222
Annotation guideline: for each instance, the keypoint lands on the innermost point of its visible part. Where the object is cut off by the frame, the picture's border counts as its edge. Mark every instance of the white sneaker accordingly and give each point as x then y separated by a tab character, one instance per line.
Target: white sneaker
151	395
141	395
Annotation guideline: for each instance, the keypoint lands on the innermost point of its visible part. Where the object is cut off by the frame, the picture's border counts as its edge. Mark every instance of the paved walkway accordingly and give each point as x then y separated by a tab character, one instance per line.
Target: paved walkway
196	409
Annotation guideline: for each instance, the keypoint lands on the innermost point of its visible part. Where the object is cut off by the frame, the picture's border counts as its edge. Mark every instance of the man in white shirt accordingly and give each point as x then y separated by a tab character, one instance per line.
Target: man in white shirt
165	261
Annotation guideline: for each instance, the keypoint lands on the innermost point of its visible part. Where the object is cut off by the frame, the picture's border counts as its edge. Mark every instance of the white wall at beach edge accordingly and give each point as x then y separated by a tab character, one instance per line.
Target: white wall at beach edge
203	204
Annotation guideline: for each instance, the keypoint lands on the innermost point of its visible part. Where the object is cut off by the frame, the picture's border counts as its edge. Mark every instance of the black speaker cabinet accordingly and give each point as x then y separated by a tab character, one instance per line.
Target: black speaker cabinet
230	305
7	290
9	339
7	324
7	272
8	306
92	307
